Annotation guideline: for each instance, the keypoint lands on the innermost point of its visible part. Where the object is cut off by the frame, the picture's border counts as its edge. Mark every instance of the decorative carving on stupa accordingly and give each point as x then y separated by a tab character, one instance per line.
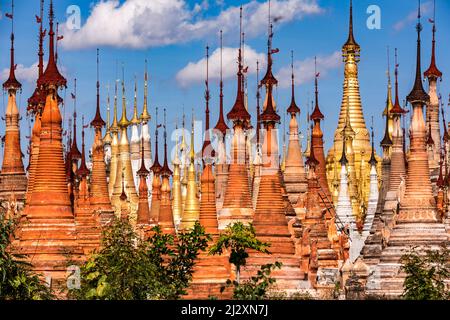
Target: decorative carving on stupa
361	141
12	177
48	233
237	205
294	174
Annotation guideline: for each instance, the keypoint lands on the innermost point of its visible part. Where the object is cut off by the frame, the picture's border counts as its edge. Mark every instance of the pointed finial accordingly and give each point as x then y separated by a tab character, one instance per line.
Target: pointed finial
192	151
221	125
156	167
418	94
124	122
145	116
316	115
293	109
12	83
351	45
373	161
433	71
135	120
258	107
52	77
165	169
98	121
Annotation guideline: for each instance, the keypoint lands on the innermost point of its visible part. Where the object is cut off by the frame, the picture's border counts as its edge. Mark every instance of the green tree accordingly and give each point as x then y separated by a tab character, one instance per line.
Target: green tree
17	281
256	288
129	268
238	238
426	274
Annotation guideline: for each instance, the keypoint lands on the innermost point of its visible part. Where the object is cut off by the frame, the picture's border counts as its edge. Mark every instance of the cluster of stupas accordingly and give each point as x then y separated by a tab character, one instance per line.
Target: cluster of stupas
324	216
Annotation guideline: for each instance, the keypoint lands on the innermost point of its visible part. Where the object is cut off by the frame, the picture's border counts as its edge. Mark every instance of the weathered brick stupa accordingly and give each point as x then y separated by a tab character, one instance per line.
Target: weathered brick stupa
319	256
99	196
35	106
237	205
86	220
143	213
416	222
13	181
270	214
432	114
221	128
211	271
48	235
294	172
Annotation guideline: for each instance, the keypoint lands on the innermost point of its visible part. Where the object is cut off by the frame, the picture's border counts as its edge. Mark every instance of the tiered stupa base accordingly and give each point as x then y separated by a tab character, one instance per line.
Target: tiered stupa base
387	278
51	247
88	229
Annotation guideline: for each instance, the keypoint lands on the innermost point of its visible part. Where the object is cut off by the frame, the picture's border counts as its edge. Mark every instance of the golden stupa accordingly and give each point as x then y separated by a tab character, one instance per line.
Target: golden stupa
361	140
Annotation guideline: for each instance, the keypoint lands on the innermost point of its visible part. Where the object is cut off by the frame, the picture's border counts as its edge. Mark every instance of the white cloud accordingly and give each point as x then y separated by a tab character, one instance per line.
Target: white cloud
23	73
304	69
144	23
425	8
195	72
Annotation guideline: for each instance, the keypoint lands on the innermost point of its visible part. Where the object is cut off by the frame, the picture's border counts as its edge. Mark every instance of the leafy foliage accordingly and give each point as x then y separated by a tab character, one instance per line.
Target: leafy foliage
426	274
238	238
17	281
257	287
129	268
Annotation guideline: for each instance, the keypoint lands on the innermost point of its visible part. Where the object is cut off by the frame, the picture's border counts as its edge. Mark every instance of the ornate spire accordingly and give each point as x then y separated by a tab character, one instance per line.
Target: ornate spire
373	161
12	83
239	113
165	171
74	151
135	120
446	136
293	108
83	171
37	97
207	141
316	114
142	172
124	122
269	114
351	43
417	93
343	161
221	125
433	71
51	75
115	123
387	141
156	167
145	116
397	109
98	121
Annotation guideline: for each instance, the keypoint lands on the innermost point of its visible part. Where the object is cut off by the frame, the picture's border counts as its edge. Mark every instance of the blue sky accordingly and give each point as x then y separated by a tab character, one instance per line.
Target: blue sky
178	37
